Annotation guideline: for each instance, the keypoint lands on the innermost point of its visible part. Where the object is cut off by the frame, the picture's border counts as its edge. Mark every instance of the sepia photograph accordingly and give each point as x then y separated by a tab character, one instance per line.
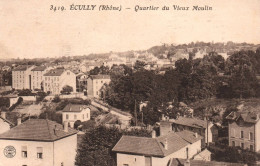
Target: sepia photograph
130	83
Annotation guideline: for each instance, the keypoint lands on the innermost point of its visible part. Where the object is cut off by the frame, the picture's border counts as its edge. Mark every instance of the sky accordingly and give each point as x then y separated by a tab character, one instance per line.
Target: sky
29	29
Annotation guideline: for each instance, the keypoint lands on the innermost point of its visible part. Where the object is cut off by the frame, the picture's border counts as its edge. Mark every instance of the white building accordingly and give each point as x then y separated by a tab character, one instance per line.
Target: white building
38	142
156	151
95	83
21	77
73	112
37	77
56	79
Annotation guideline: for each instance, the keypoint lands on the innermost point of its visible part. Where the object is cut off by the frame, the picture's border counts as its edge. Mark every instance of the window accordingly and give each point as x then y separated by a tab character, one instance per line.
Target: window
97	92
39	152
87	116
67	116
61	164
242	145
83	116
24	151
75	116
233	143
251	136
125	165
242	134
68	73
101	81
251	147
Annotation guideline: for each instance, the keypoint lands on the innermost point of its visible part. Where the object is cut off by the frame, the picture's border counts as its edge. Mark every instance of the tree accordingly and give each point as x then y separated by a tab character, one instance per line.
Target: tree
66	90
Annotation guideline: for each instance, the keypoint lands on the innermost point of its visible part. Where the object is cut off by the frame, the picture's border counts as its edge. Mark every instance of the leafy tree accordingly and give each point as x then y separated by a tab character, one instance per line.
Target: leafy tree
66	90
25	92
56	99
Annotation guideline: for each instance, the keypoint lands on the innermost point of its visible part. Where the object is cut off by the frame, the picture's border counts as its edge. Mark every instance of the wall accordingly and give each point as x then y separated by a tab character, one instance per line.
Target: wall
257	136
4	126
65	151
28	98
31	159
90	87
131	160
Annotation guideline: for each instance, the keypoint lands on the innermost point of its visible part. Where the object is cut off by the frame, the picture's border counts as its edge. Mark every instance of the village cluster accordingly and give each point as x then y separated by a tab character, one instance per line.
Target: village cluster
43	142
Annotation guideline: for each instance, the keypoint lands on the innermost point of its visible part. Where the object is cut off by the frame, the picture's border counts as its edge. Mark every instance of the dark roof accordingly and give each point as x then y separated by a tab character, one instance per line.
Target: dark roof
22	67
250	117
74	108
54	72
39	68
191	122
100	76
156	146
37	130
180	162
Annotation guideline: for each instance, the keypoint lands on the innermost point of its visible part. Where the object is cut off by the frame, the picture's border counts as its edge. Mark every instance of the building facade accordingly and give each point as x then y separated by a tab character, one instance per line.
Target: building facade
37	77
73	112
38	142
56	79
244	130
95	83
21	77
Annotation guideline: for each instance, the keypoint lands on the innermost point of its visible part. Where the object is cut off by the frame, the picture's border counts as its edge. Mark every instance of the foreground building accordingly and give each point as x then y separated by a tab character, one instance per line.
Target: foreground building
95	83
244	129
56	79
38	142
74	112
156	151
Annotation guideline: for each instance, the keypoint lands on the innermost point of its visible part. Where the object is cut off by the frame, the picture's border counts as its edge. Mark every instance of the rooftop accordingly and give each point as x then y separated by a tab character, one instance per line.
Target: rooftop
192	122
156	146
37	130
100	76
54	72
180	162
7	121
39	68
22	68
74	108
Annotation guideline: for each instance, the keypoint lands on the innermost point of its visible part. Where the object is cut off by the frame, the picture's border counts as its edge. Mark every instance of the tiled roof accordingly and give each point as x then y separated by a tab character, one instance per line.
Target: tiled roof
155	146
37	130
22	67
250	117
100	76
180	162
192	122
74	108
39	68
54	72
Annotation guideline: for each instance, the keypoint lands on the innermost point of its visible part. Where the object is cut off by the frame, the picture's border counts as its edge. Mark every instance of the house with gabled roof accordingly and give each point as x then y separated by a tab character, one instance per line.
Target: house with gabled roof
38	142
156	151
244	127
56	79
95	83
21	77
75	112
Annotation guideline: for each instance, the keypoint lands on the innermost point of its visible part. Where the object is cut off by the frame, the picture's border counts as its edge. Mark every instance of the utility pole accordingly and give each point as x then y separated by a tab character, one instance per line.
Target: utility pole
135	115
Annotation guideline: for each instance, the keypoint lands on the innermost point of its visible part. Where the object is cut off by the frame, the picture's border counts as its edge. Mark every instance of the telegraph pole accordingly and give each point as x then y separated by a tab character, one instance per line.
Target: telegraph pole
135	115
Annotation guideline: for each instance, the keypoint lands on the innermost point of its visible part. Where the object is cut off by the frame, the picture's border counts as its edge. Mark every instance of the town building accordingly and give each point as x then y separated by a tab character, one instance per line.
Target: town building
95	83
207	130
21	77
156	151
38	142
5	124
56	79
81	82
244	128
75	112
37	77
184	162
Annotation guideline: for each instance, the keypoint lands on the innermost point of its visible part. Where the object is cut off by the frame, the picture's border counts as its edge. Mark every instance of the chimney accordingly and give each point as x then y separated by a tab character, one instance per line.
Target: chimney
3	114
66	126
187	162
166	144
19	121
153	134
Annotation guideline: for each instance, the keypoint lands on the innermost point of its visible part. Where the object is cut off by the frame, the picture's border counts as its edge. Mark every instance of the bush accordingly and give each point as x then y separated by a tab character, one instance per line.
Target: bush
62	105
66	90
19	101
40	96
56	99
4	102
26	92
